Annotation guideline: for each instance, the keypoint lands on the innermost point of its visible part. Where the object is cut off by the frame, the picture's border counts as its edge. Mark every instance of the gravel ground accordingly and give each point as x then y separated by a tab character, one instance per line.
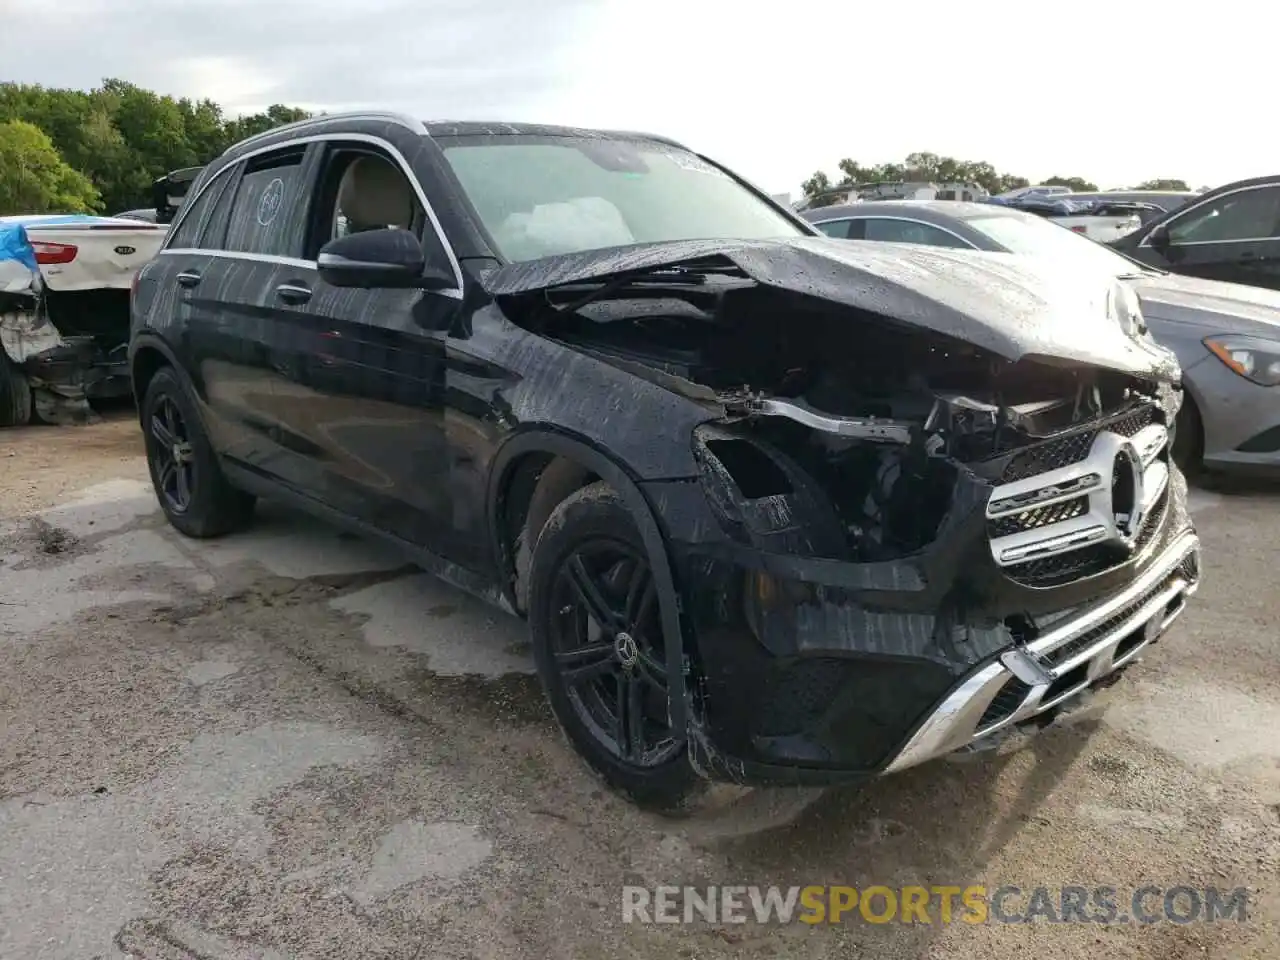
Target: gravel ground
289	744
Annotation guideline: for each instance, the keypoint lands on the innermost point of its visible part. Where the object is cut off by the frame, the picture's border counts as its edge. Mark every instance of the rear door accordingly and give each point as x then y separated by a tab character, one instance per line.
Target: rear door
1233	237
256	233
189	290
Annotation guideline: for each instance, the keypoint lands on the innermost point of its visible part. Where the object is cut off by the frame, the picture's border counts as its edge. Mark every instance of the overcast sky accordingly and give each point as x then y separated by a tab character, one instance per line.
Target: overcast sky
773	89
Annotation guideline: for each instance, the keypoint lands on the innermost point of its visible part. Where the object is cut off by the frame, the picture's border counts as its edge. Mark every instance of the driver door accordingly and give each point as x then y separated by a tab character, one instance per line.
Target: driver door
360	372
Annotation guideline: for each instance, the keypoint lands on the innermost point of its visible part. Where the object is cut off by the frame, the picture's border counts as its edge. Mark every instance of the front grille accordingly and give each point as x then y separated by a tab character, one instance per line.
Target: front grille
1066	567
1049	455
1129	424
1054	516
1152	525
1071	449
1041	516
1089	561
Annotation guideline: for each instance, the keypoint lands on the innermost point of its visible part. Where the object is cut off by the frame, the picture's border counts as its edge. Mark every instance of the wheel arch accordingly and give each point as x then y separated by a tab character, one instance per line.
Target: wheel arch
541	468
148	354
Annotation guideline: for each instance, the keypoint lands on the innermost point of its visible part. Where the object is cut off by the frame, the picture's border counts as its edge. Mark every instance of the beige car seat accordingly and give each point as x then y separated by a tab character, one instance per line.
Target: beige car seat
375	195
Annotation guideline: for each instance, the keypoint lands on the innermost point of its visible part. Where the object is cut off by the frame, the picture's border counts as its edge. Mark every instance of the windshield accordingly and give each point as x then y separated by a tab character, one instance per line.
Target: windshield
542	196
1039	237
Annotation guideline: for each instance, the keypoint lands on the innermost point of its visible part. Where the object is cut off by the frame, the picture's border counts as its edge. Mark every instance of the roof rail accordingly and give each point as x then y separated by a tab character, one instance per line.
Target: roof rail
413	123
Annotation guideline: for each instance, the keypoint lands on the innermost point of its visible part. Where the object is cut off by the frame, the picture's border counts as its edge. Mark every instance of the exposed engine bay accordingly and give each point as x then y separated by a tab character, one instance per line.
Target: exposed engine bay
841	431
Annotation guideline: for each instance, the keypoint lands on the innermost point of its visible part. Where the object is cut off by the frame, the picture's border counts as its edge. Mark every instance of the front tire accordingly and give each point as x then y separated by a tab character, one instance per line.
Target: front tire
597	638
193	493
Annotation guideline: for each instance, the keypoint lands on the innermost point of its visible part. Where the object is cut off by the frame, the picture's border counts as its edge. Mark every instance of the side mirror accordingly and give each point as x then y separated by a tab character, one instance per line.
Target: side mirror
380	258
1159	238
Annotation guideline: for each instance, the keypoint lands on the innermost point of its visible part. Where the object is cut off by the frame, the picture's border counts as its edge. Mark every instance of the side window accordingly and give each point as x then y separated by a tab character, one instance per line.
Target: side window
911	231
835	228
362	188
1245	215
269	201
189	232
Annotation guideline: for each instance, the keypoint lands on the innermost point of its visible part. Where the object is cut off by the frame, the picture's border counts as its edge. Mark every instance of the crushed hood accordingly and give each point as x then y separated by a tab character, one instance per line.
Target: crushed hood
1013	307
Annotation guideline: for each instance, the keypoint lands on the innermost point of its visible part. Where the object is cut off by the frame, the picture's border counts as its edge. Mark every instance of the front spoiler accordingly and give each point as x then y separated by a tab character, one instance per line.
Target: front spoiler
1052	669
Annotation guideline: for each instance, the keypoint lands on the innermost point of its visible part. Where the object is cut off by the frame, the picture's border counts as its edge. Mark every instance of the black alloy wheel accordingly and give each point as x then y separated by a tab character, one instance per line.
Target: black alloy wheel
193	492
606	640
173	456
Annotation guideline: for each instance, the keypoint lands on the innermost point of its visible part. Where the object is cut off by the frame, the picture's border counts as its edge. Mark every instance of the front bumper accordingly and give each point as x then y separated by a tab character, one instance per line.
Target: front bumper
805	670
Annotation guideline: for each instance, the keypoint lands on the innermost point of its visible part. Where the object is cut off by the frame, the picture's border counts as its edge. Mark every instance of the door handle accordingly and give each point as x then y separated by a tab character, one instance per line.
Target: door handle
293	293
188	278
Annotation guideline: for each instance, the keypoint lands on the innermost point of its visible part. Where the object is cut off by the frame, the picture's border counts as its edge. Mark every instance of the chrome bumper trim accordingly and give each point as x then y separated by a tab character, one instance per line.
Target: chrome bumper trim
957	721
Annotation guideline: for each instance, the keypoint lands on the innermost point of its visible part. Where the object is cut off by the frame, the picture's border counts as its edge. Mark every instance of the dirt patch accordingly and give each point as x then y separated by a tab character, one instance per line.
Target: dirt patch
42	465
38	540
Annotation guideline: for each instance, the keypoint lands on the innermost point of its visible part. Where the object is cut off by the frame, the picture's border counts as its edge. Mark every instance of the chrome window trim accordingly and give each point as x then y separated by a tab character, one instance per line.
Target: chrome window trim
923	223
403	119
1192	208
237	255
381	143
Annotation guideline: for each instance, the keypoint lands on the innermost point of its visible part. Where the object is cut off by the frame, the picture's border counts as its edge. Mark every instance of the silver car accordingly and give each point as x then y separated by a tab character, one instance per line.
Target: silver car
1226	335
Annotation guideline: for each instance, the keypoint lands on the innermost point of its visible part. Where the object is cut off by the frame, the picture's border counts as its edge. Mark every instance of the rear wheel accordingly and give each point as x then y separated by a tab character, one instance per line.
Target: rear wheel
1188	438
598	641
15	394
194	494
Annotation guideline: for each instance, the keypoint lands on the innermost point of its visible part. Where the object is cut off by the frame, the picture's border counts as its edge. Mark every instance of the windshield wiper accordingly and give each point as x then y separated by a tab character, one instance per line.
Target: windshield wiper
692	274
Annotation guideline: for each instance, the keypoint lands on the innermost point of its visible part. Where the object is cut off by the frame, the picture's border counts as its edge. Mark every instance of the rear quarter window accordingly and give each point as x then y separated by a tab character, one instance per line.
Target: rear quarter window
190	232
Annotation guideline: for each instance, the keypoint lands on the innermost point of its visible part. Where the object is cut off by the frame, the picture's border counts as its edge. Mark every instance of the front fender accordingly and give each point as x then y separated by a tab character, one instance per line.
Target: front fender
546	440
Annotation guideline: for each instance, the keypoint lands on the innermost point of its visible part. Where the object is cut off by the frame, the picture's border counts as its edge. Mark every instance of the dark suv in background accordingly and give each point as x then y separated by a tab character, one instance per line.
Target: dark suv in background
777	509
1231	233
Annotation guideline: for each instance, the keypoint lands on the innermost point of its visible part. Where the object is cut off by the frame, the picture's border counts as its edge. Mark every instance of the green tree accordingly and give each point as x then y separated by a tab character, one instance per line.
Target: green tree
1076	184
35	179
1162	185
122	136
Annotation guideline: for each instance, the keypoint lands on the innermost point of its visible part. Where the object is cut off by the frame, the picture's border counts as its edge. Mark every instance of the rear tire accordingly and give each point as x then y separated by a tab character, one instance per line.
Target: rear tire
193	493
15	394
1188	439
606	682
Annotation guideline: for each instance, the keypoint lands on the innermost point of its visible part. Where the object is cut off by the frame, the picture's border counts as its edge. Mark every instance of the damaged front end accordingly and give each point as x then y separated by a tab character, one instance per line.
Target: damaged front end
918	519
951	575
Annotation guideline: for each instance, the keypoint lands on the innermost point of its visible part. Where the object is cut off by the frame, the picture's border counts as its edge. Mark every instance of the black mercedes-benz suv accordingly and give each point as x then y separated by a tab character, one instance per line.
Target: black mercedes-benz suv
777	508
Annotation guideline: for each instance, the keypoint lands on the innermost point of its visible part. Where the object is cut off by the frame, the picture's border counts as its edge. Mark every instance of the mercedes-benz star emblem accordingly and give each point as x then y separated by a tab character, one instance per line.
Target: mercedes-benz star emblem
624	645
1127	493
